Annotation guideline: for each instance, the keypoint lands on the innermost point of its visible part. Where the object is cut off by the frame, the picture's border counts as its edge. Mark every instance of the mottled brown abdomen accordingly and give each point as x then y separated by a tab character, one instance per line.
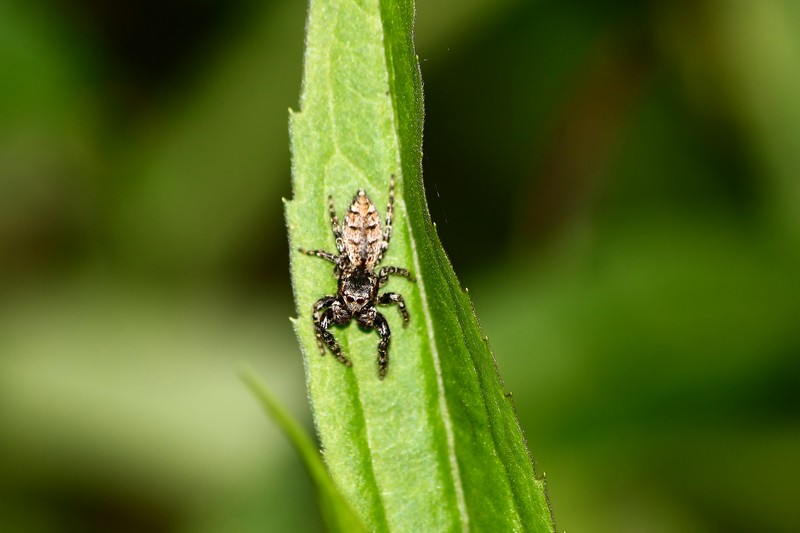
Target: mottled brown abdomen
362	232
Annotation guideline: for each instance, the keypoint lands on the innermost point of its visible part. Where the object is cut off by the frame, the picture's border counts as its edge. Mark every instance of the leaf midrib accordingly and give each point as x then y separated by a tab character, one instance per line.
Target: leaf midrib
437	365
444	411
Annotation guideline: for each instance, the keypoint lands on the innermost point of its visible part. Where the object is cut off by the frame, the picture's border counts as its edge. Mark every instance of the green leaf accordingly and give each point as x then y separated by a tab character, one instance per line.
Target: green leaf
338	514
435	446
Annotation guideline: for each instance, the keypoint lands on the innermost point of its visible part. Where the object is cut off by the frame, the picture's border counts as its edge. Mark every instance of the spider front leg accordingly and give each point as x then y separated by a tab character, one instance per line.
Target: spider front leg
394	298
323	318
383	346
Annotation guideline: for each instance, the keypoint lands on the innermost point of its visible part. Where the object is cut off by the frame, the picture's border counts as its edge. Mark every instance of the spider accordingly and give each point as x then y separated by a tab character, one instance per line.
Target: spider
361	246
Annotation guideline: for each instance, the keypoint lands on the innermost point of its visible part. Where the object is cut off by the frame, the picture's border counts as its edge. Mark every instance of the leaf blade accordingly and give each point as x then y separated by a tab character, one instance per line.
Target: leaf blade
338	514
528	493
361	121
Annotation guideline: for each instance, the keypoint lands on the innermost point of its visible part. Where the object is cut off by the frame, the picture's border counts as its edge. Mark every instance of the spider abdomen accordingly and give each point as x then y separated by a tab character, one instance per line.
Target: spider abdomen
362	232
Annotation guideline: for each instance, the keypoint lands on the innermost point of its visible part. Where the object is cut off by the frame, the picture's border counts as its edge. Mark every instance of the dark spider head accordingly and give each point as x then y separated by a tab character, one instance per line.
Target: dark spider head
357	289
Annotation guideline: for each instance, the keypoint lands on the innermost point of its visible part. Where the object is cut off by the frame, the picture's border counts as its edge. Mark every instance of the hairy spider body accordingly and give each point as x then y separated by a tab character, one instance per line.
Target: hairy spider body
361	245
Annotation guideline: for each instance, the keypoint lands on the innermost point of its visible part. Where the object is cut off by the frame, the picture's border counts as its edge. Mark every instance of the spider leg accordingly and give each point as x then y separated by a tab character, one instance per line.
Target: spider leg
387	229
385	272
321	321
388	298
322	254
335	227
323	318
383	346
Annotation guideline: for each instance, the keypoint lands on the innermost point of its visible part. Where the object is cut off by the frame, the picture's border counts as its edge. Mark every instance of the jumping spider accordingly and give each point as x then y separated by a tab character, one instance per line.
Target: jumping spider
361	246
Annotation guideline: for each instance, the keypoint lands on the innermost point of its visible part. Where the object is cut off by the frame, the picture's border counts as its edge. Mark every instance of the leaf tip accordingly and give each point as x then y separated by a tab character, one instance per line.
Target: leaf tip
250	378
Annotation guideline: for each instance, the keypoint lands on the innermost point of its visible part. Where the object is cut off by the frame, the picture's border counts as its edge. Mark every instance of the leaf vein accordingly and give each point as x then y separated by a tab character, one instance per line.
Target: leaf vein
445	413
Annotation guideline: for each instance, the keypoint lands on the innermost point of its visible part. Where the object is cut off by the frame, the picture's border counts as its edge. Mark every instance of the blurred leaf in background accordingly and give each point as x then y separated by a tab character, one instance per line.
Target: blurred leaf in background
638	281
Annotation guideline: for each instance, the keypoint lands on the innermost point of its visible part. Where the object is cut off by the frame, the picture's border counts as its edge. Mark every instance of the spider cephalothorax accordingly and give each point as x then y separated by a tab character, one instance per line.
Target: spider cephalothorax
361	245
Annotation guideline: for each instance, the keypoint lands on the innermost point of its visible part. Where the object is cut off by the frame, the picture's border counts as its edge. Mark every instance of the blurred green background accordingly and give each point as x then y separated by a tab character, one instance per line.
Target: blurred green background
615	182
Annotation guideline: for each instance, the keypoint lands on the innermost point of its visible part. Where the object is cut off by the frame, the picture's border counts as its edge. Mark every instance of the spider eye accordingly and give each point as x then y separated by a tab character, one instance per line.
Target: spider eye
349	298
360	301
